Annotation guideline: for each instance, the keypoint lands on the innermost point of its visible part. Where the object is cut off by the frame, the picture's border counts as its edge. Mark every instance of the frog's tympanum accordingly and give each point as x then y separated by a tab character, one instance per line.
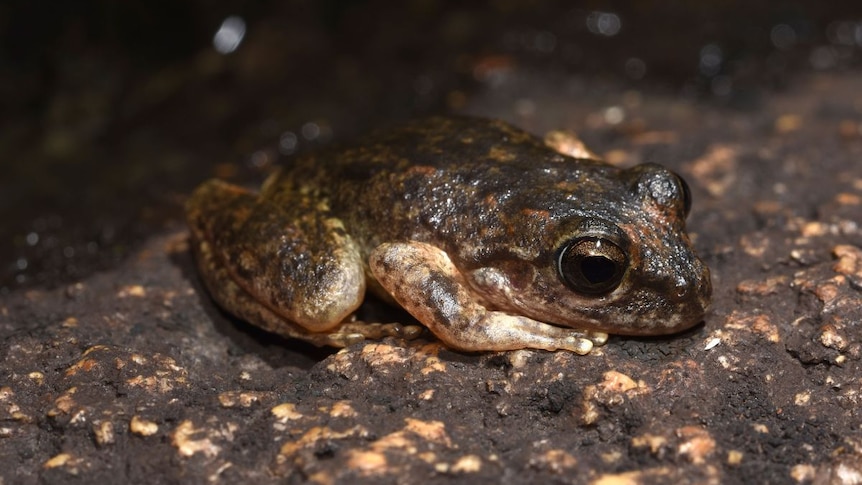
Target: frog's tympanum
489	237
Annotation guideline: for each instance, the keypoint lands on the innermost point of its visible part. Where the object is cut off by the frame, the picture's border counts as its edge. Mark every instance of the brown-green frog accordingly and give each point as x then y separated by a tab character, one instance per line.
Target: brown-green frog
488	236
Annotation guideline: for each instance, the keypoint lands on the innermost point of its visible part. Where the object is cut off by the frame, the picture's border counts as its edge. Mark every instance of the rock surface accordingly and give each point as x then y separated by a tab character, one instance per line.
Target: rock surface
132	375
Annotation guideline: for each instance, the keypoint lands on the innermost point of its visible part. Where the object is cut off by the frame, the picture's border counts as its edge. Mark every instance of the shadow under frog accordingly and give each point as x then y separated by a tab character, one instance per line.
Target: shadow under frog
487	235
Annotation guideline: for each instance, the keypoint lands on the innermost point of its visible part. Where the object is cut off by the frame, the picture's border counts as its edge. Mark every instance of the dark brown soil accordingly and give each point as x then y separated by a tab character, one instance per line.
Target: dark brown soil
133	376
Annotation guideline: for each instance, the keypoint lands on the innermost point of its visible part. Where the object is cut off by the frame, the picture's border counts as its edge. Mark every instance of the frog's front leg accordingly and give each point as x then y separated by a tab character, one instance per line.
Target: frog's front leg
426	283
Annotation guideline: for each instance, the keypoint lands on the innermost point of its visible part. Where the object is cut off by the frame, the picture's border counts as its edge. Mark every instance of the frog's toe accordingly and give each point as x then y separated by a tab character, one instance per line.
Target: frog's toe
578	345
582	343
598	338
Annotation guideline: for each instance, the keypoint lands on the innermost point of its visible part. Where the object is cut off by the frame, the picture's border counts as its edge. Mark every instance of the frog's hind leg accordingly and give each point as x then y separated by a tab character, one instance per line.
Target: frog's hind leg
282	263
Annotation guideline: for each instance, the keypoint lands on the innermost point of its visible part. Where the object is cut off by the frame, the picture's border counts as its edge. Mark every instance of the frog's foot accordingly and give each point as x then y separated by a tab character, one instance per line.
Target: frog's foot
424	281
502	331
353	332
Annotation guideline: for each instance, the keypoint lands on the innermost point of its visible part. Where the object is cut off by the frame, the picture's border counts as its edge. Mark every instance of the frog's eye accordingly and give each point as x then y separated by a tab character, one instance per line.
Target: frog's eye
686	193
658	185
592	265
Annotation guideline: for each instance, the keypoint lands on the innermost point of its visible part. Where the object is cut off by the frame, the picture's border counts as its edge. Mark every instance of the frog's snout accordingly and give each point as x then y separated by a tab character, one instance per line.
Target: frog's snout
692	297
697	289
703	291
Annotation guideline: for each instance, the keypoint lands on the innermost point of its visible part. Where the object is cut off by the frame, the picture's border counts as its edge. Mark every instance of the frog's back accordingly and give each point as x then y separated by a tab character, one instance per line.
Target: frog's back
434	178
451	143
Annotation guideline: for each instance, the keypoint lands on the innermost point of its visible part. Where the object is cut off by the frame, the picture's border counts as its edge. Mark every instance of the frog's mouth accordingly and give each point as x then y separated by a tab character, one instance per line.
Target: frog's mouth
626	311
649	311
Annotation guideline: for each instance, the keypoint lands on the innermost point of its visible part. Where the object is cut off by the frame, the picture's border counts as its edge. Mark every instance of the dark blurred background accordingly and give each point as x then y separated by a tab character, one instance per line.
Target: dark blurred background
110	112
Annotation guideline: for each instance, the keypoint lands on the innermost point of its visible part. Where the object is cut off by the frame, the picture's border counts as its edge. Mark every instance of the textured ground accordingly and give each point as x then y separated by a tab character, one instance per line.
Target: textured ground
133	375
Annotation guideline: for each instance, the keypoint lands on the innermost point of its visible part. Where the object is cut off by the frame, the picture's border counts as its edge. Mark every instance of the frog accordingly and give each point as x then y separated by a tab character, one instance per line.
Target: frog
492	238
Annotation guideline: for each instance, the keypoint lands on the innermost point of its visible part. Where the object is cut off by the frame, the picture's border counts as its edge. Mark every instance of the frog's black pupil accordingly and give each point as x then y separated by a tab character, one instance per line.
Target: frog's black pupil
598	269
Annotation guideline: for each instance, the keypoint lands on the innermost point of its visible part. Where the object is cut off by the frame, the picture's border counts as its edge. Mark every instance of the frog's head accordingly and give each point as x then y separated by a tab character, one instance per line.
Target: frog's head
624	268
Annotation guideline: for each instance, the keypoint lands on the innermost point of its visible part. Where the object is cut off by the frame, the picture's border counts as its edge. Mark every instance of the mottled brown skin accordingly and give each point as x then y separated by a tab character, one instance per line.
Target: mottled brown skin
490	238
